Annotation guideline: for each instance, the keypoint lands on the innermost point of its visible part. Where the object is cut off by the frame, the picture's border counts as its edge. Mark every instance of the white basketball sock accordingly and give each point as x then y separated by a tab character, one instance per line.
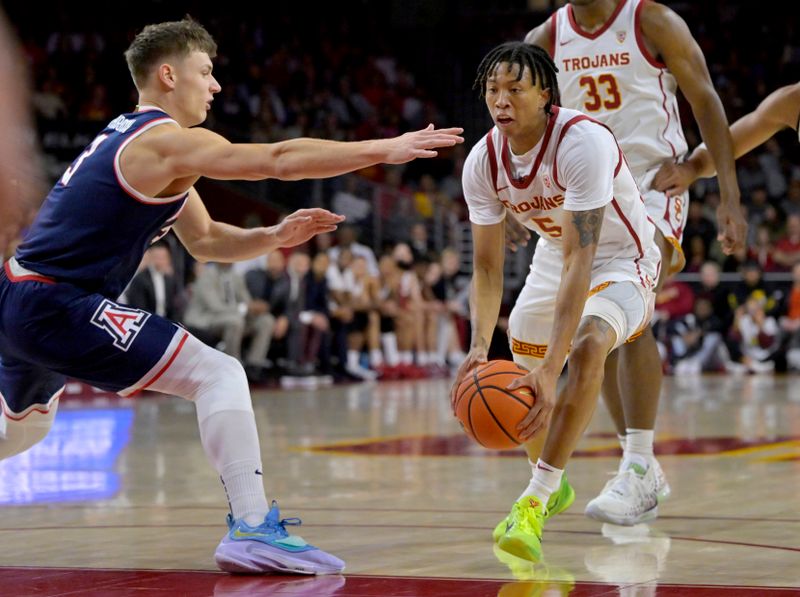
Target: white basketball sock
231	443
375	358
638	448
544	482
217	384
353	359
639	441
389	343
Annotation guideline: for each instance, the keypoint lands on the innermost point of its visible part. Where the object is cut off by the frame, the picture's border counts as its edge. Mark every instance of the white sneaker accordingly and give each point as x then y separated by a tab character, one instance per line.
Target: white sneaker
662	488
361	373
761	366
735	368
688	366
627	499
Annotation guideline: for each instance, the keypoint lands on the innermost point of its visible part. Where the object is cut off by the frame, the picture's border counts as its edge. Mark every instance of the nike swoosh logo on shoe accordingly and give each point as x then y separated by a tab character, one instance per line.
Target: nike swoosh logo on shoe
240	535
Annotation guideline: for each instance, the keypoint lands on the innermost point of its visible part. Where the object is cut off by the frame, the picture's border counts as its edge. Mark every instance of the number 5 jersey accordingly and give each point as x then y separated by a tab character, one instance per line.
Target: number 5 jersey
578	166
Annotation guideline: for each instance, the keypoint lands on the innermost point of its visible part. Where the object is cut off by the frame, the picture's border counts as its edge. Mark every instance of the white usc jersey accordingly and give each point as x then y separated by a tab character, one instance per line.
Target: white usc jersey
610	75
578	166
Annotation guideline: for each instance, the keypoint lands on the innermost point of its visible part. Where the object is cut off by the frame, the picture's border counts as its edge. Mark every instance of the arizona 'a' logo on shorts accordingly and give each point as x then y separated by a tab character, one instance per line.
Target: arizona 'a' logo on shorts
121	323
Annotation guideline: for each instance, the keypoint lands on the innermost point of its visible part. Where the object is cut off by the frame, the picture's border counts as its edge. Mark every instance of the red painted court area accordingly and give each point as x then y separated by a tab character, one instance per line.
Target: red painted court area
58	582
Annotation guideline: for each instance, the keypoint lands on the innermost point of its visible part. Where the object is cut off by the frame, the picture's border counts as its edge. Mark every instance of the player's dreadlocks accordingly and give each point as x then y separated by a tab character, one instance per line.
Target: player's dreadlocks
522	54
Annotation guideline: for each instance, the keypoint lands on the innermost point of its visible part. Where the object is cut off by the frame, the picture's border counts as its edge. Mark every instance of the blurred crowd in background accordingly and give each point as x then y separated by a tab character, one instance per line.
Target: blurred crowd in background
386	296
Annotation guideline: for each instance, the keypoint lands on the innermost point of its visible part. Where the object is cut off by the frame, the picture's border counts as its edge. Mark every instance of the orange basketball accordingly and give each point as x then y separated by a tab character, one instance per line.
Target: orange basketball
487	410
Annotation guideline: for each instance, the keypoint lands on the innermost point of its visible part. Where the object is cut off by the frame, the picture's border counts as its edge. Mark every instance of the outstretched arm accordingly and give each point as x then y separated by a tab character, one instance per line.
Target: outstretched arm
672	40
170	153
779	110
209	240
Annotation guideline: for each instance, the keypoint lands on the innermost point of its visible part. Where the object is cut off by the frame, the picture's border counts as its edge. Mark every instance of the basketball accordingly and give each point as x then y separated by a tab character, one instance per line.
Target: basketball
487	410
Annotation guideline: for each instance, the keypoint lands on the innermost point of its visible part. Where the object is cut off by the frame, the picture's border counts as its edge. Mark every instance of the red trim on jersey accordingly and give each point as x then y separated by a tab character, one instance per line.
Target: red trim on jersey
675	233
165	367
577	28
492	159
619	162
635	238
637	28
553	34
664	107
38	408
576	120
627	225
505	150
31	278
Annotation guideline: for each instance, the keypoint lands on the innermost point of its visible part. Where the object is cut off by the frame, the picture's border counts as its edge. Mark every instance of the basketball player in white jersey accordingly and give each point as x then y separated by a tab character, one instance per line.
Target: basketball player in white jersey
779	110
621	61
591	283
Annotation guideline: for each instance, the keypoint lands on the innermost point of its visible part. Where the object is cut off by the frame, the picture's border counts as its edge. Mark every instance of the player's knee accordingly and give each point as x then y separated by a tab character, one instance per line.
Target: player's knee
224	387
591	345
225	369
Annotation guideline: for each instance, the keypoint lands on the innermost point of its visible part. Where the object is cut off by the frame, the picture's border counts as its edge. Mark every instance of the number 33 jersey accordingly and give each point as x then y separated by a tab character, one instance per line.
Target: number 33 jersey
611	75
576	166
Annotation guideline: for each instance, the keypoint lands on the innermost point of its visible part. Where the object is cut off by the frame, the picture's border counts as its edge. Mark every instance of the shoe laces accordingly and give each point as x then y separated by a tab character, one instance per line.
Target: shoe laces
525	517
627	483
273	524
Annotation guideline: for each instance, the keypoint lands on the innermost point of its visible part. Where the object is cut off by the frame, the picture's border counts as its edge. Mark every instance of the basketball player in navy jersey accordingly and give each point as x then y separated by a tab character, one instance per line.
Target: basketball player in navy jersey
778	111
58	313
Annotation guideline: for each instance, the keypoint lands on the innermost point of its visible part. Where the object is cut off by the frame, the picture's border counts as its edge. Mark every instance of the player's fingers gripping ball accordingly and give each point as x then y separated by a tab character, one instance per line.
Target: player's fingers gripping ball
488	411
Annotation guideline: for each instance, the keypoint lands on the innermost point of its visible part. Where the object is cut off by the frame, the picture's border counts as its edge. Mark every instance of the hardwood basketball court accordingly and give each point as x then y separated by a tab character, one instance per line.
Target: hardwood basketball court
120	500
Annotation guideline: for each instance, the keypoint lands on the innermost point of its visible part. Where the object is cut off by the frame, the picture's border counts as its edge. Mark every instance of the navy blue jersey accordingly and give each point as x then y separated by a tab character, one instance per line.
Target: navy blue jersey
94	228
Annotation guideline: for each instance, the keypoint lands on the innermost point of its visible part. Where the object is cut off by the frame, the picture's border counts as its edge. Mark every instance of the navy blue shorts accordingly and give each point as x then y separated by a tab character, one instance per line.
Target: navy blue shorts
51	330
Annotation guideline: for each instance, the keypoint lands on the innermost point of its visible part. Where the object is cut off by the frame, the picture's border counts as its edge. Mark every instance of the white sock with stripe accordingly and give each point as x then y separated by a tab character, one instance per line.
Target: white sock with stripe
544	481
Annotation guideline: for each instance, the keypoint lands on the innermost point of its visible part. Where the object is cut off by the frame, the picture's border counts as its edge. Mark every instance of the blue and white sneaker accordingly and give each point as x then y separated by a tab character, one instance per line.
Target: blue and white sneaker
269	547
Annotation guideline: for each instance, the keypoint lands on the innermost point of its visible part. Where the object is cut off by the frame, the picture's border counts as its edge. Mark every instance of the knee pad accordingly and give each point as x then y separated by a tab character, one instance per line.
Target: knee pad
211	379
625	306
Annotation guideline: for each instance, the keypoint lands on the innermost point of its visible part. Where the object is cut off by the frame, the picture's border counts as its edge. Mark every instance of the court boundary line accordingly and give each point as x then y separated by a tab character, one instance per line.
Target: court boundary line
390	526
401	577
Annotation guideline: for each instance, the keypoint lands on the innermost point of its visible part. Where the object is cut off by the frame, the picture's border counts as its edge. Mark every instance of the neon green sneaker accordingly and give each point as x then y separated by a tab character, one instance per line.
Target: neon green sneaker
546	578
558	502
523	537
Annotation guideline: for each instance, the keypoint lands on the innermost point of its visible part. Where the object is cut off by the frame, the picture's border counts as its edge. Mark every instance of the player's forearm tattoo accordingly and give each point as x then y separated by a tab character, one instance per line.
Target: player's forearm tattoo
480	342
588	224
